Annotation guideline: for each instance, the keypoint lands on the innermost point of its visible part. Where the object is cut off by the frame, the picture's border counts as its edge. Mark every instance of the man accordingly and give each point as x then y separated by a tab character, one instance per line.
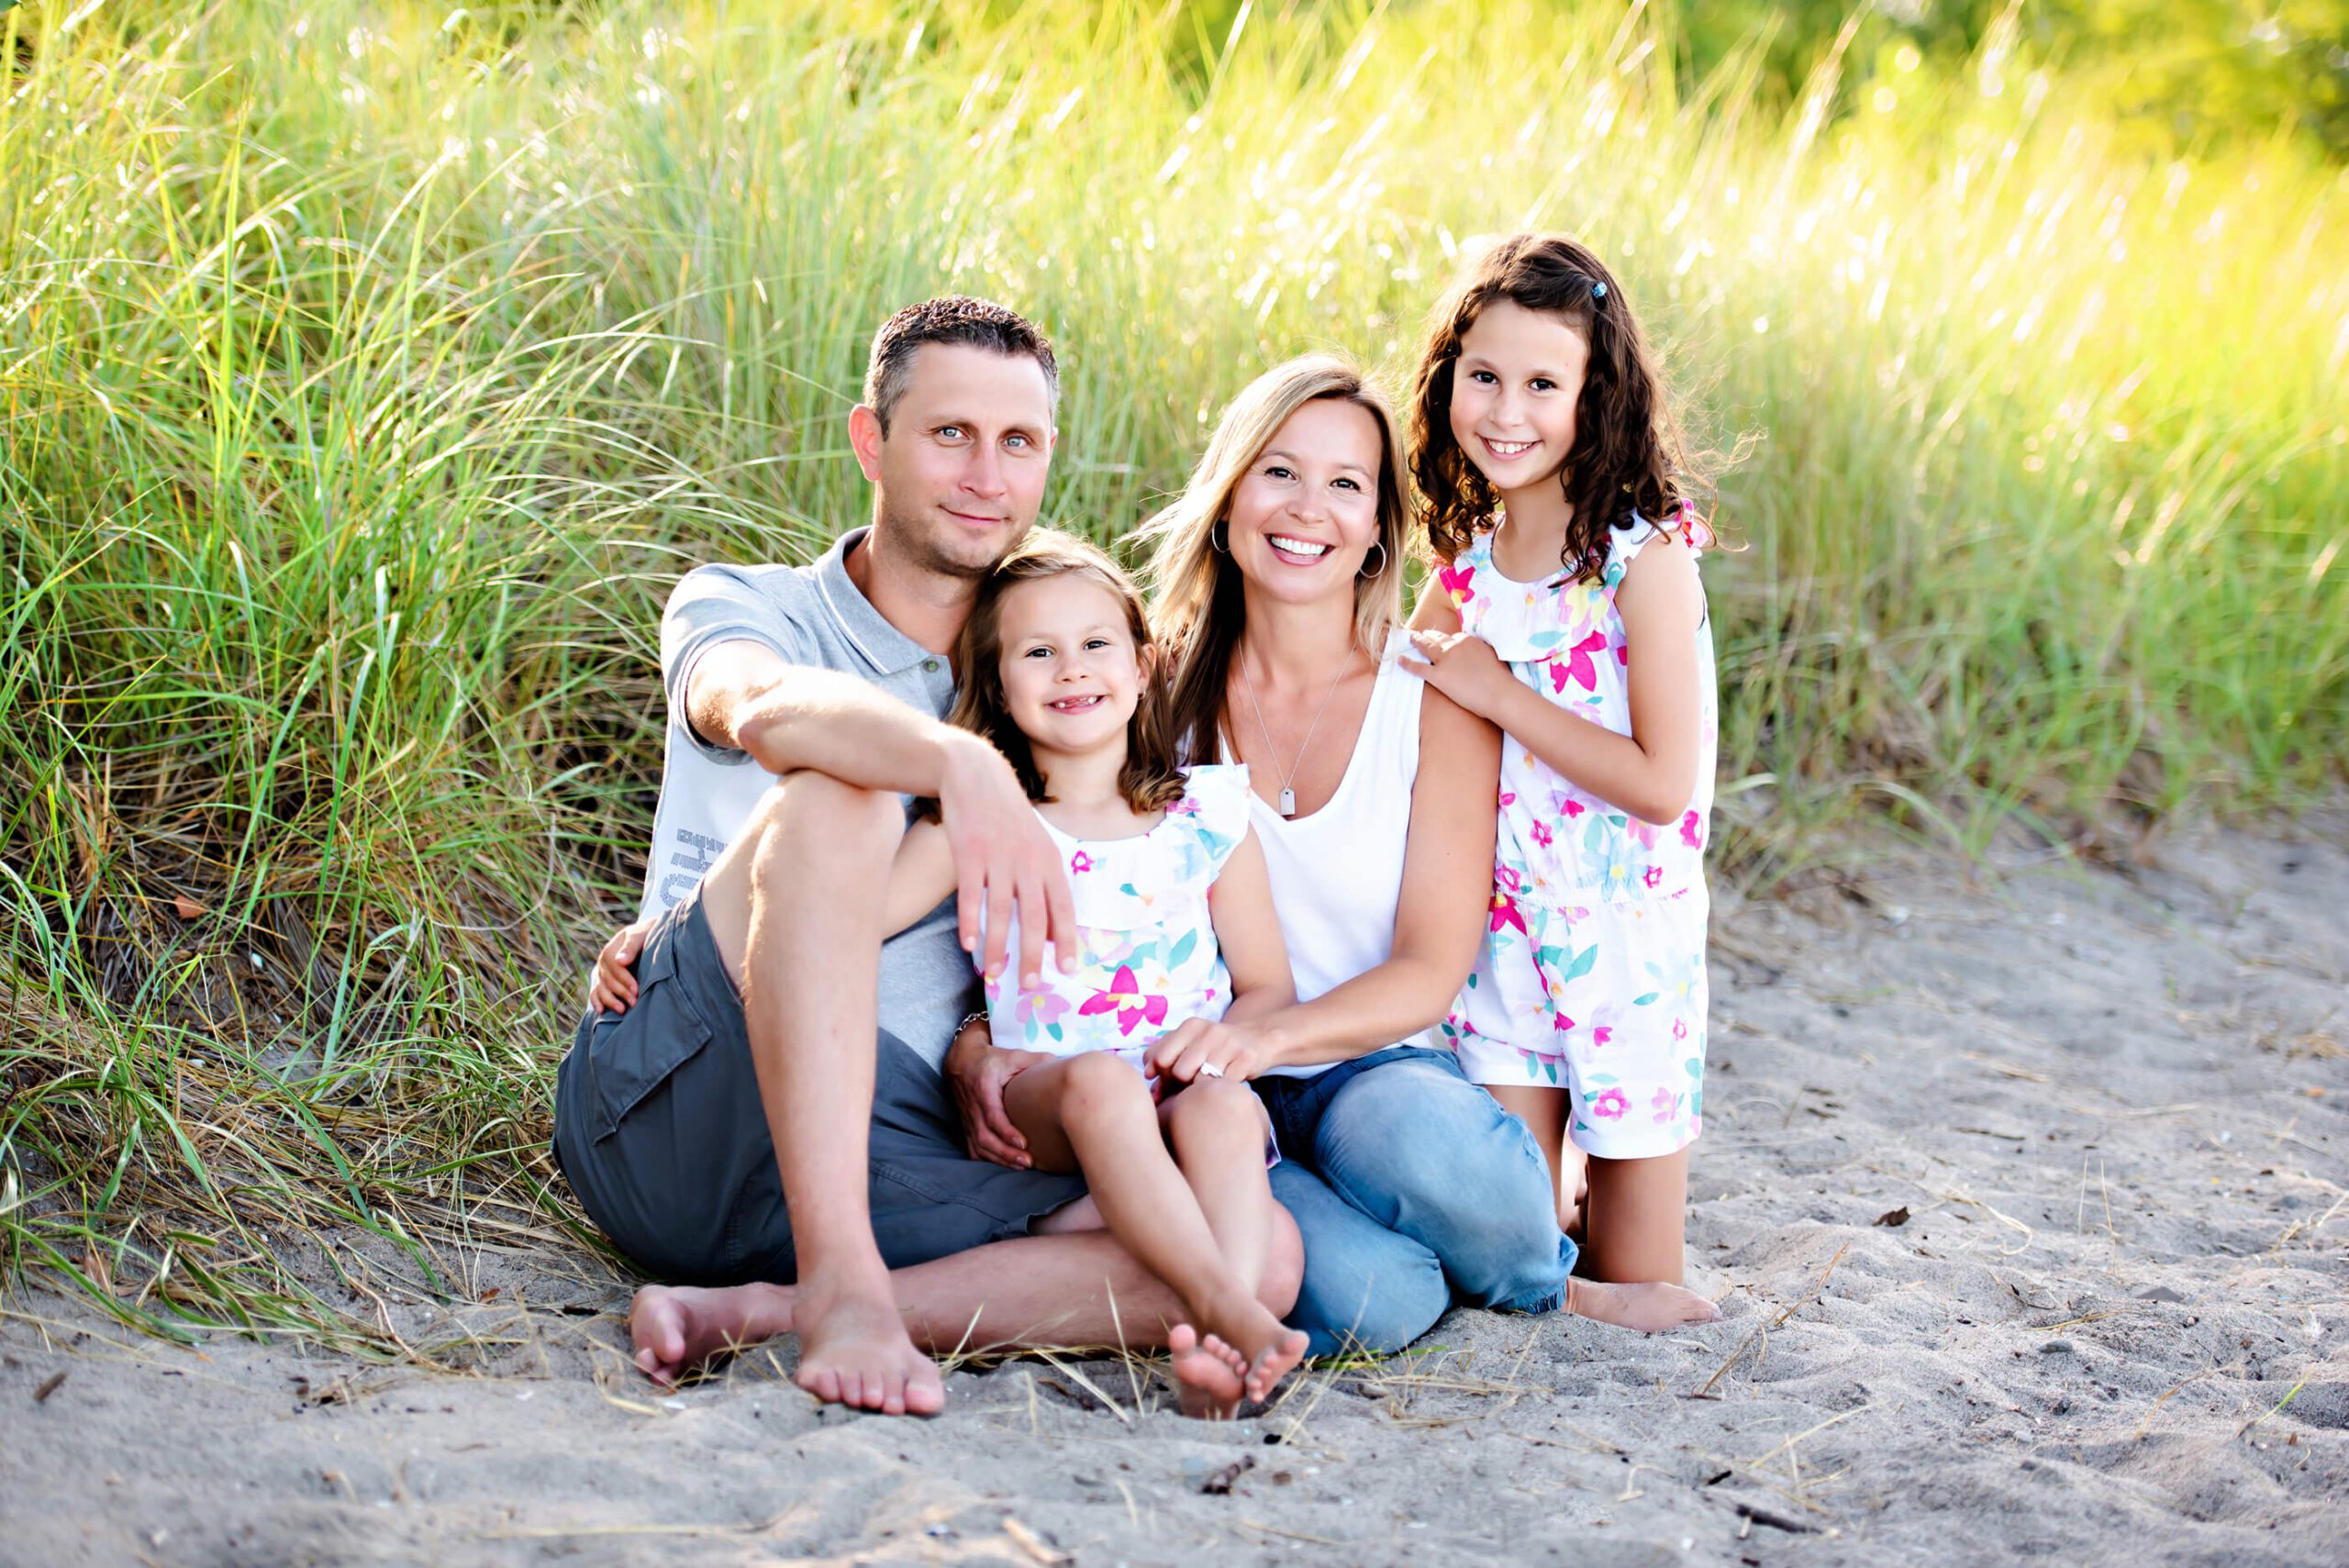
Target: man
751	1117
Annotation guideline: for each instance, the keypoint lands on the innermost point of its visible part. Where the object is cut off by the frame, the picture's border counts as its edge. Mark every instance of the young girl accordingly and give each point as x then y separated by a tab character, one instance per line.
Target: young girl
1567	610
1175	916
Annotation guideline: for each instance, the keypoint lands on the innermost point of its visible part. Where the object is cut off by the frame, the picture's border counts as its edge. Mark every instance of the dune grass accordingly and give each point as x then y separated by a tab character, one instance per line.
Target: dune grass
368	371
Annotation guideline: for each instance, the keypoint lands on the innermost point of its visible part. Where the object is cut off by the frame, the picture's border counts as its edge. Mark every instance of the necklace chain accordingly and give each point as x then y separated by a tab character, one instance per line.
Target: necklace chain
1289	795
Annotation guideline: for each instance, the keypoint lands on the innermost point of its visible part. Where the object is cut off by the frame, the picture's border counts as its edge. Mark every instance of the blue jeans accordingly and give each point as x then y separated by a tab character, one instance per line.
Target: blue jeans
1410	1185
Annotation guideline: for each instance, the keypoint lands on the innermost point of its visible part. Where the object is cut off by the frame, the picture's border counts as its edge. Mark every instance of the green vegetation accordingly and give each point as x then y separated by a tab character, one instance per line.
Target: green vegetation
368	371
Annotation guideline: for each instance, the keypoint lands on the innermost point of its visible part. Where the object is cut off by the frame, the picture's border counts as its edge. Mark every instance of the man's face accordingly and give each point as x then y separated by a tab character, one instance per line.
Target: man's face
960	475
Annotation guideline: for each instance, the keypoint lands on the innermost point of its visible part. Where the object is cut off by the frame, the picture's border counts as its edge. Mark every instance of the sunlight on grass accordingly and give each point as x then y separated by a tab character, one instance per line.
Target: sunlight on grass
368	371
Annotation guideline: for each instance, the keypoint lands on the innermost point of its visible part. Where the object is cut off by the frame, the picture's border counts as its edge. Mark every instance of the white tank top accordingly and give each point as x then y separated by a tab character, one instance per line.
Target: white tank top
1337	874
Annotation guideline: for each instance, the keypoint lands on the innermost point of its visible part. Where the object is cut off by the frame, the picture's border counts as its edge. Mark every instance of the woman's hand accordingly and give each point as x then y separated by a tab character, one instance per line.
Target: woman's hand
976	1070
1202	1049
611	987
1464	667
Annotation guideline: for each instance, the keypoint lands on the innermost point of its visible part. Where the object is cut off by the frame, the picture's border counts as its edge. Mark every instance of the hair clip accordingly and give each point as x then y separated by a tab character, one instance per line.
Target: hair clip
1598	291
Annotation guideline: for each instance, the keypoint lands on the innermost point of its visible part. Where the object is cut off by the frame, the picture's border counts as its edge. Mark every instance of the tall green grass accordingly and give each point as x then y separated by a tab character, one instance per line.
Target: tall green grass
368	371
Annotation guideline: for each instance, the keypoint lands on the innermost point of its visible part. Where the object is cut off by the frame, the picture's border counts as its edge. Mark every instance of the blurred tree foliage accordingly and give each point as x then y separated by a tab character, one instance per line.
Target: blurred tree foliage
2177	75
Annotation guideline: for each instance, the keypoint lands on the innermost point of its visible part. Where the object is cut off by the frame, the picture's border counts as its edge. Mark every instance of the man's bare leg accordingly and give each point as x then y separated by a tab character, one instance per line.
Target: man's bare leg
1079	1287
797	915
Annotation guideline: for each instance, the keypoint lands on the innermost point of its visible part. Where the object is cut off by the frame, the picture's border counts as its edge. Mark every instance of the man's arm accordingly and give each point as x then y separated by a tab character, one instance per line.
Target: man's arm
792	717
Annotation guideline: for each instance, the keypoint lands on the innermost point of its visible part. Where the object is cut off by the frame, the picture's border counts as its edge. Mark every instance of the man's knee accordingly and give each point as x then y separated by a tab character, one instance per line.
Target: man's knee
1283	1274
806	812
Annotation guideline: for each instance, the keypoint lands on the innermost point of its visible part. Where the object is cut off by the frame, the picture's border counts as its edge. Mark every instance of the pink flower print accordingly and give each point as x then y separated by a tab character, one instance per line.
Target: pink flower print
1652	876
1692	831
1507	878
1611	1105
1124	999
1080	861
1623	654
1505	913
1640	833
1561	1024
1508	799
1185	807
1542	834
1680	1028
1602	1035
1666	1103
1565	805
1574	664
1042	1008
1458	583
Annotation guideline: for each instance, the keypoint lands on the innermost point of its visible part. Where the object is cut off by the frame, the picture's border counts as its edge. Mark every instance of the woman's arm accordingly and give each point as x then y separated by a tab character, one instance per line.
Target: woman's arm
1440	919
1651	773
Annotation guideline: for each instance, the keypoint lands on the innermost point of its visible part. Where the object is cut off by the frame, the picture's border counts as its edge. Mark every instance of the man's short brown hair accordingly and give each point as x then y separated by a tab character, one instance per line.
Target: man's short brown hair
955	318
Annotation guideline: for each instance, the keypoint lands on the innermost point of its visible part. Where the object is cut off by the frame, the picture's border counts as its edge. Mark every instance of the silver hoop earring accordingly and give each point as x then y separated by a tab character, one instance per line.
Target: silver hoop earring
1214	543
1382	561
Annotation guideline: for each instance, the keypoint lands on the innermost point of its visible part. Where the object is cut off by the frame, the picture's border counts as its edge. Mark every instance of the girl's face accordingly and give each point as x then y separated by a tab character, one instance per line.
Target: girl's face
1305	515
1072	676
1514	391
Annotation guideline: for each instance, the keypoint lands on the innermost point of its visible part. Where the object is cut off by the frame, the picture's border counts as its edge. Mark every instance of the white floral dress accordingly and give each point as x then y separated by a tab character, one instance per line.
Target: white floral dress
1592	975
1148	960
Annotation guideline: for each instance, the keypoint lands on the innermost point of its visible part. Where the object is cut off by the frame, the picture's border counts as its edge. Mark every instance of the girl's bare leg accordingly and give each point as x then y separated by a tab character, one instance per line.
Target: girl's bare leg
1543	1112
1096	1109
1638	1218
1218	1130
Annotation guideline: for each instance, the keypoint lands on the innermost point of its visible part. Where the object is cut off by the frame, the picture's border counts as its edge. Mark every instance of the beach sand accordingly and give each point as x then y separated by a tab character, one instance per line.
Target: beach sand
2025	1195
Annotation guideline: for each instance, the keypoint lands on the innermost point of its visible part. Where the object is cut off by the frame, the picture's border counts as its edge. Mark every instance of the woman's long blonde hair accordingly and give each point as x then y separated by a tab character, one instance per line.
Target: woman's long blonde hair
1196	612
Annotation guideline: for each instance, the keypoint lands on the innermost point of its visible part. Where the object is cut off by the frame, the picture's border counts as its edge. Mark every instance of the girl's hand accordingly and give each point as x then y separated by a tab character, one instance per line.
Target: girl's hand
1464	667
1200	1048
611	987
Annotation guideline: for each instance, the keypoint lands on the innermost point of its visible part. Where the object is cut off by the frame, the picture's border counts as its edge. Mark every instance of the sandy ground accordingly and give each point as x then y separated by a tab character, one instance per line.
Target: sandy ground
2024	1196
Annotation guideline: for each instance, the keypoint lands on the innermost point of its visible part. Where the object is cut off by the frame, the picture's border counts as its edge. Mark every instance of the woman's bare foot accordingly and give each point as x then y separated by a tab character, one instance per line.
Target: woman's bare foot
678	1329
1650	1308
853	1351
1209	1376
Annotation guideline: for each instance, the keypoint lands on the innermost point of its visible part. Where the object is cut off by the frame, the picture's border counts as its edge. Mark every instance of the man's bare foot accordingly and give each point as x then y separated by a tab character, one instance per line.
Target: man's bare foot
1209	1375
678	1329
1650	1308
853	1351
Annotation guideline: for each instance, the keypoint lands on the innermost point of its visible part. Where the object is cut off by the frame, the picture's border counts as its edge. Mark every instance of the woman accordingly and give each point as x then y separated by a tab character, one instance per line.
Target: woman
1278	578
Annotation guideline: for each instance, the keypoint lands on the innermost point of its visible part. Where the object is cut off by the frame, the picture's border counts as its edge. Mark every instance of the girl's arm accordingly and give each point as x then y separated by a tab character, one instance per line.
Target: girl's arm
920	878
1249	932
1438	921
1651	773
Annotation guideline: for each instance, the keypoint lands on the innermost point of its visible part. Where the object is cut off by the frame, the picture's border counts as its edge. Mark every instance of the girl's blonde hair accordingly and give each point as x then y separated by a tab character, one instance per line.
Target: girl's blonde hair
1196	610
1150	780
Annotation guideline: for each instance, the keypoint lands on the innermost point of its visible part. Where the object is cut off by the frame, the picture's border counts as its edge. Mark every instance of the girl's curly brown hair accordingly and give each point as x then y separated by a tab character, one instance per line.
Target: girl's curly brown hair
1628	455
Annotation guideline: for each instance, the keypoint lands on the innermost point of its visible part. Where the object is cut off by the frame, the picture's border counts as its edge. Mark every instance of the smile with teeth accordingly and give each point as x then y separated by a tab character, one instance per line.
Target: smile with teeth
1305	547
1084	703
1508	448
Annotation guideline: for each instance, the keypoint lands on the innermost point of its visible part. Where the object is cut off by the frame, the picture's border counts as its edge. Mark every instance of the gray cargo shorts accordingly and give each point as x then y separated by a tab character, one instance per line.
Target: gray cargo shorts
660	1129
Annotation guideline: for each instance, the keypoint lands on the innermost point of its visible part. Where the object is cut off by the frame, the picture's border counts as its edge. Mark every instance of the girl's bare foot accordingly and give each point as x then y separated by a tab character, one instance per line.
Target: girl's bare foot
1268	1348
1209	1375
853	1351
678	1329
1651	1309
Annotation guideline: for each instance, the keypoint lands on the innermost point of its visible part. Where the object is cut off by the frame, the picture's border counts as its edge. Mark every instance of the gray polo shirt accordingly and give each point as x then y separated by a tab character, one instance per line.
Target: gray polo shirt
814	616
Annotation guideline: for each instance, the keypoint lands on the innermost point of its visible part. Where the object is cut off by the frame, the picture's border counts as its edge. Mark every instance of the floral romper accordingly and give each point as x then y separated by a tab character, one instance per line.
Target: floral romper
1148	958
1592	974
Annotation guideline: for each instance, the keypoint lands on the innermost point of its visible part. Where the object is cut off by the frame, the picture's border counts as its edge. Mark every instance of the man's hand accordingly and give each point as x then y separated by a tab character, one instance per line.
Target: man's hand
1199	1048
1003	860
611	988
976	1070
1464	667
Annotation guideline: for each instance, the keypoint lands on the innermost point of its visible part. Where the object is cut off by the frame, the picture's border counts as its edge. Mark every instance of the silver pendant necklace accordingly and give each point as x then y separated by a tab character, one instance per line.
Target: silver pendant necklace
1289	795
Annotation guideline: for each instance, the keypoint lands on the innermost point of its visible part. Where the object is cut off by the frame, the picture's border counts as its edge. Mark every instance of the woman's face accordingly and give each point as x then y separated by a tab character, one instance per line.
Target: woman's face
1305	514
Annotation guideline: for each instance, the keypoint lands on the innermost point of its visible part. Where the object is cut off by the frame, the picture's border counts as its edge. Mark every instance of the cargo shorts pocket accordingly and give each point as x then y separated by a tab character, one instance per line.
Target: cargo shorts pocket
633	1053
